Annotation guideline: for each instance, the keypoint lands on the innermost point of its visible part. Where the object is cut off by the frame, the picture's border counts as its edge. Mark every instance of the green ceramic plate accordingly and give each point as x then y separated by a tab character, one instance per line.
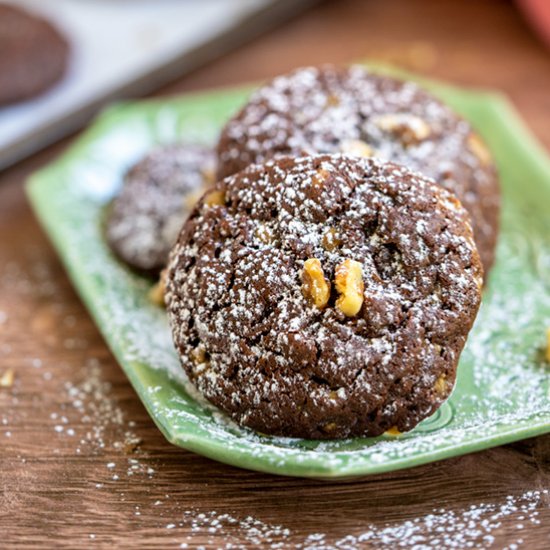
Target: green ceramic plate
502	392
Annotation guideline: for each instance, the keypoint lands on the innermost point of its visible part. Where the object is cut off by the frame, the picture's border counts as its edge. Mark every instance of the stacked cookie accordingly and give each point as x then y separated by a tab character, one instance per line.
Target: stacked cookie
325	286
157	195
352	111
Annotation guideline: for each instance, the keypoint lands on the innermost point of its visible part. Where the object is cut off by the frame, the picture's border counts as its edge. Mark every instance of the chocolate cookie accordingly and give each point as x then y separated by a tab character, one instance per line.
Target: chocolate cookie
33	54
158	193
328	110
324	296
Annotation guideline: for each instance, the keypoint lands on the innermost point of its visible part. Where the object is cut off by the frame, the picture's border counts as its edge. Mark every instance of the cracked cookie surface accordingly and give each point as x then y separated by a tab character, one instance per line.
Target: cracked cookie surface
158	192
325	296
353	111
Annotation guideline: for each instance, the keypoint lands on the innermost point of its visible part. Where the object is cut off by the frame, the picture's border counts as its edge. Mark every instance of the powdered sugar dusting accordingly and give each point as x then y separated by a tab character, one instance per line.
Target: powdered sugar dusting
100	426
255	346
503	352
474	526
328	110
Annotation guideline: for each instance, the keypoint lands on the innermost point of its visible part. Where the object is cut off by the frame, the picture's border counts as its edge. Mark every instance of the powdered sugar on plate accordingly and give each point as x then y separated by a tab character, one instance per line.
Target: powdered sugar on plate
503	382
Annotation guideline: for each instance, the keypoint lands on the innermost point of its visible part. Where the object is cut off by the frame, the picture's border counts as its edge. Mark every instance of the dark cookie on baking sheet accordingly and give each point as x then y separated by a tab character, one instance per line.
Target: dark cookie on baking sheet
325	296
158	193
353	111
33	54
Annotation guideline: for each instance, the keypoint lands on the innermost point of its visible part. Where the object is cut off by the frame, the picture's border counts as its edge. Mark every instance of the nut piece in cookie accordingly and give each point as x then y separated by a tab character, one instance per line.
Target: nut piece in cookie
331	241
316	287
479	149
214	198
356	148
157	195
348	280
407	128
157	291
357	112
324	311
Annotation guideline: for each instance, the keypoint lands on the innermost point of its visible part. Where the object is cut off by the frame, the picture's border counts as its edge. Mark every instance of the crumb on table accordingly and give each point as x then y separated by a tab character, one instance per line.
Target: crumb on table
6	381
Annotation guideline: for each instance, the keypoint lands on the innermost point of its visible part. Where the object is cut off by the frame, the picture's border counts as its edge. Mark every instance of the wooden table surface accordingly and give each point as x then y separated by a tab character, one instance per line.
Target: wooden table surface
82	464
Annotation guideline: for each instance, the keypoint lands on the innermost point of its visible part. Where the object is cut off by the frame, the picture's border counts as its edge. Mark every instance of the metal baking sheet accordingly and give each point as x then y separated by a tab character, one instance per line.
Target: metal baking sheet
122	49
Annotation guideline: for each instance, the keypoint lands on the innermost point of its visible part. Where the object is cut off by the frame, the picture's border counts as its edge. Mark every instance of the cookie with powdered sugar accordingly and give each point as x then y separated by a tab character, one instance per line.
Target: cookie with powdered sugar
354	111
324	296
157	194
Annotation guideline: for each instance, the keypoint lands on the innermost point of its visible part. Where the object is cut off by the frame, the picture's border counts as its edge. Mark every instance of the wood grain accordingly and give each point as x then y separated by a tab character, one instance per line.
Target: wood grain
122	484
